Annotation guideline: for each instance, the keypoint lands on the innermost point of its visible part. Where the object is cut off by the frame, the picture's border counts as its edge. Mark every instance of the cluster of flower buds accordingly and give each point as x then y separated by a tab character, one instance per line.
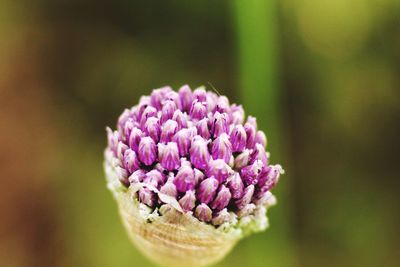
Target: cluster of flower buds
196	147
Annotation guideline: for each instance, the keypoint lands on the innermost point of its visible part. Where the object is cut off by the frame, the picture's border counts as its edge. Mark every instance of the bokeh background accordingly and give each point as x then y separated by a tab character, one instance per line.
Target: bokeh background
322	76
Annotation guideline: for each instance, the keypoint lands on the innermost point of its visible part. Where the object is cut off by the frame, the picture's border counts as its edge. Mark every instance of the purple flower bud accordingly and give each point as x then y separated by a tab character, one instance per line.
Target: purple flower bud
250	173
198	110
169	156
122	175
212	99
207	190
219	124
157	97
180	119
113	139
242	159
238	138
148	112
200	94
252	121
261	139
199	154
222	148
246	199
174	96
202	128
128	126
270	177
137	176
236	186
168	130
147	151
188	201
222	105
203	213
186	97
259	154
134	139
237	114
169	189
144	101
147	197
222	199
184	179
152	128
198	175
131	161
221	217
121	148
168	110
251	135
182	139
155	178
219	169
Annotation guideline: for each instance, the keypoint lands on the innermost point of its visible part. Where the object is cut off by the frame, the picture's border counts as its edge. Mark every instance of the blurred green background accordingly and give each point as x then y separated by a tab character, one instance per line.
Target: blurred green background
322	76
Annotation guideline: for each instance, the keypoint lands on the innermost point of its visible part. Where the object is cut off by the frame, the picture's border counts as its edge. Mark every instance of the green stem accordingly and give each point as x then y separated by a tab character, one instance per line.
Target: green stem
256	22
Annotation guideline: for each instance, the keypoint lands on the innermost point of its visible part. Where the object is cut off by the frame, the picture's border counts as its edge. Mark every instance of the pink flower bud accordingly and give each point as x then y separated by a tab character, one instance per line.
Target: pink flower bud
147	151
207	190
246	199
168	130
199	154
222	199
169	156
219	169
222	148
188	201
203	213
184	179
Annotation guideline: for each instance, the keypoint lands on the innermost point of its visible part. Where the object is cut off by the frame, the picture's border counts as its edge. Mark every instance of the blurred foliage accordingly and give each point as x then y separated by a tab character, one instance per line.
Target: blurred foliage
321	76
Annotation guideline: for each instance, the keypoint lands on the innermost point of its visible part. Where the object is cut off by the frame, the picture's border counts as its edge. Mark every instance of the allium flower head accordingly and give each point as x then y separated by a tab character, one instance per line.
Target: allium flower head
195	153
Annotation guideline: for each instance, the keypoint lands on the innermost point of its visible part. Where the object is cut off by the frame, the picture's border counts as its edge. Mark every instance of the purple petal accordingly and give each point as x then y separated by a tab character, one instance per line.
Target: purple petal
184	179
147	151
199	154
222	148
200	94
186	97
131	161
202	128
238	138
134	139
246	199
169	156
198	110
168	130
219	124
188	201
182	139
236	186
152	128
207	190
250	173
168	110
261	139
219	169
222	199
203	213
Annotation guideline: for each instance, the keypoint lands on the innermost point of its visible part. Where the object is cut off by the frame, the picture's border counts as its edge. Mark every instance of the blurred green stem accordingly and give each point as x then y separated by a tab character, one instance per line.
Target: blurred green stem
256	22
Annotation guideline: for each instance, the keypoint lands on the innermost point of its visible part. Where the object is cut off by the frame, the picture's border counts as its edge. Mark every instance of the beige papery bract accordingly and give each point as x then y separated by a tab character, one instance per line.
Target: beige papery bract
171	238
